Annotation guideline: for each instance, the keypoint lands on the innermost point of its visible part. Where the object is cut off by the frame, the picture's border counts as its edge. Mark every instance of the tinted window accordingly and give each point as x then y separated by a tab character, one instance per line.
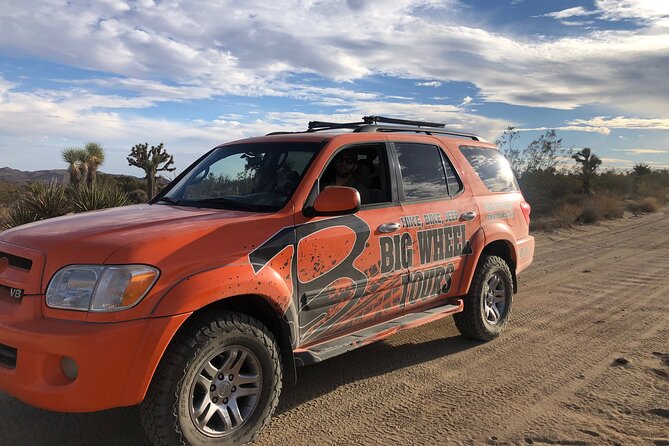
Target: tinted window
492	167
259	177
367	172
422	171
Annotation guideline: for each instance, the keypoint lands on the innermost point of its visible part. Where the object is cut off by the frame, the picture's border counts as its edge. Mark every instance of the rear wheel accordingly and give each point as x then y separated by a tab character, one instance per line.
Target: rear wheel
488	303
218	383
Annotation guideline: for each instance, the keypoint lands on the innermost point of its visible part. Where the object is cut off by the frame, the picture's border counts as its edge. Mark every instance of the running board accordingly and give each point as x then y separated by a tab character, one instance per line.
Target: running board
343	344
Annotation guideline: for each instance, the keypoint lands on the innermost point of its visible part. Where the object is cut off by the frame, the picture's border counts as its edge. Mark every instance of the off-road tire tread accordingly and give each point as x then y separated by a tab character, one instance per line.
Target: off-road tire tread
159	408
469	321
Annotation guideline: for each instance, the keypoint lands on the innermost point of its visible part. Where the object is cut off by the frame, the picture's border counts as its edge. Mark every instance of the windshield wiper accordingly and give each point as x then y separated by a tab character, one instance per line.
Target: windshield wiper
169	200
228	202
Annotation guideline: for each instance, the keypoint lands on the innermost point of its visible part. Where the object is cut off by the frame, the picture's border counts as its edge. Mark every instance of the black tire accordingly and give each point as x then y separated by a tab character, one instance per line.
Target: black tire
167	412
476	321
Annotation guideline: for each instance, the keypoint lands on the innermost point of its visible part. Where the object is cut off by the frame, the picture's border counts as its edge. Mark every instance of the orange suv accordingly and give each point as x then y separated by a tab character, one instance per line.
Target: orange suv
266	254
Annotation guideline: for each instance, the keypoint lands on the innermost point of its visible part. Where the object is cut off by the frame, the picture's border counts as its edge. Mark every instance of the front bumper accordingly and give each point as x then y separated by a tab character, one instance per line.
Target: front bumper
116	361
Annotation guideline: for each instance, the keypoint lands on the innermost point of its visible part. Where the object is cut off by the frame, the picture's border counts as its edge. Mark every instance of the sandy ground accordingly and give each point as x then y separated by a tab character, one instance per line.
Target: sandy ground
584	361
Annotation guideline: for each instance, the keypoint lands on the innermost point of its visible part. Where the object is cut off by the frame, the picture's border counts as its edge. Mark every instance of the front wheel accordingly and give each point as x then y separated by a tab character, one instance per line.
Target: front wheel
218	383
488	303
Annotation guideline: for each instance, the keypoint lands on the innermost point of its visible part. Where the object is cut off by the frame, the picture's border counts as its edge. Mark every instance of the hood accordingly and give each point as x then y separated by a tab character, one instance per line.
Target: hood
92	237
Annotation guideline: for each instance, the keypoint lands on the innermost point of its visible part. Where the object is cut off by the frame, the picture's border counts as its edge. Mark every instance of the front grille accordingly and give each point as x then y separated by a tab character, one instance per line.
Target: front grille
17	262
7	357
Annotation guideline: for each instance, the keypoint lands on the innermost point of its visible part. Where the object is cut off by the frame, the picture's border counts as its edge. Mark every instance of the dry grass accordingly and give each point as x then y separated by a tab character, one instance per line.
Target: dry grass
562	217
600	207
644	206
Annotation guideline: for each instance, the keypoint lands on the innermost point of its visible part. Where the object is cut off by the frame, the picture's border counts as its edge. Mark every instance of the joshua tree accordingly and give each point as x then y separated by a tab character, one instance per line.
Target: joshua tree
95	156
77	167
641	169
589	164
150	160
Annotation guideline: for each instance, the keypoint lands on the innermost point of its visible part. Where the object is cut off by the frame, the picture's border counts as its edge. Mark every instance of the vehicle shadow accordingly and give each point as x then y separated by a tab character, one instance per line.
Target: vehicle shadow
366	362
22	424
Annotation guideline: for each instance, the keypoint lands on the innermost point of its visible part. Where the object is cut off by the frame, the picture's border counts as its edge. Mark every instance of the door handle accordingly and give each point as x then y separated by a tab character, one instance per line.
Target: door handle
467	216
389	227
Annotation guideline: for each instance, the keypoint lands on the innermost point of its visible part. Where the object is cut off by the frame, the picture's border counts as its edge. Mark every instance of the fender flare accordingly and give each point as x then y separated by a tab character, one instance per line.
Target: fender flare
215	285
483	237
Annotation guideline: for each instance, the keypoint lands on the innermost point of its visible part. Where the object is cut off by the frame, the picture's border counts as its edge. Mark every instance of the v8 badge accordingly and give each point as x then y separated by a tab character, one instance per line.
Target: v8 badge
16	293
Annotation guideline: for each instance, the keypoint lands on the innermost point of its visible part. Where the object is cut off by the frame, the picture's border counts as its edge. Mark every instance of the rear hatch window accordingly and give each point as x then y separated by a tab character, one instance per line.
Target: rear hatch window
491	167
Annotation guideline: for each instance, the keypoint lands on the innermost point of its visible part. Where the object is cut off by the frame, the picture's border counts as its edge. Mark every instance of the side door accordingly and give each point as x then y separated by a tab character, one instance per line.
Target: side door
343	283
440	216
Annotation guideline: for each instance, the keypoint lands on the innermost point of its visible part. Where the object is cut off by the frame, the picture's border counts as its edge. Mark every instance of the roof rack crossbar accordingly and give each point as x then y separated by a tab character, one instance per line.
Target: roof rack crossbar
384	120
427	130
323	125
371	124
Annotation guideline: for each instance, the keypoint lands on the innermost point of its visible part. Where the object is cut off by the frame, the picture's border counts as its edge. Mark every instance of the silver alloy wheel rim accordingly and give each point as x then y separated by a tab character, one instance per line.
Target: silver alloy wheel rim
225	391
494	300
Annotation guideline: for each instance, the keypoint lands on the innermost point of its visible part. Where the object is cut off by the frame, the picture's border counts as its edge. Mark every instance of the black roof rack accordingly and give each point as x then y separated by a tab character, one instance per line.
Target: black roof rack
384	124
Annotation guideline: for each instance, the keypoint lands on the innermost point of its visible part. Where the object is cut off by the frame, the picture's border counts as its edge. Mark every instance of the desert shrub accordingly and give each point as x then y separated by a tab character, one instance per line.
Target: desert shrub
546	190
651	187
600	207
37	201
614	182
562	217
589	215
138	196
97	197
610	207
566	215
645	205
649	204
126	183
45	200
16	216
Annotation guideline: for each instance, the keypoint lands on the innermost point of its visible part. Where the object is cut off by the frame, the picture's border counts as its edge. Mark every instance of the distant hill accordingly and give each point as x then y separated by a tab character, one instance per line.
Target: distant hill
19	176
16	176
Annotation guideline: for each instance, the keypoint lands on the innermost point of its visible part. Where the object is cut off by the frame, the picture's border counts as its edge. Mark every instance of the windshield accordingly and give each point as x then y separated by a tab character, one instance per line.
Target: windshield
248	177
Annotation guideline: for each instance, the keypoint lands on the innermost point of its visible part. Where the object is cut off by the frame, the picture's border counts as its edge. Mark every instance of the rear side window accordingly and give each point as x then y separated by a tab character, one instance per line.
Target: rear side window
422	170
492	168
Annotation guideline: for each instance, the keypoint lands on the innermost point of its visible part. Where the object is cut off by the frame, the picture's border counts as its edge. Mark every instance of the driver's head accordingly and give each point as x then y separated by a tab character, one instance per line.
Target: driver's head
345	162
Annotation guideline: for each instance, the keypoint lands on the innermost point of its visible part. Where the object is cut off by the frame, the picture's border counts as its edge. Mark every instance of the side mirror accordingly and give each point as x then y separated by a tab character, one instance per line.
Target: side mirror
337	200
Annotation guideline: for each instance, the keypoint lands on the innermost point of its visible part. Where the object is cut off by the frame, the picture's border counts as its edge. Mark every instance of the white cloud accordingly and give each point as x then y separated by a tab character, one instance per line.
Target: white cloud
615	10
578	11
621	122
429	84
251	48
59	119
616	161
572	128
644	10
642	151
604	125
466	100
585	23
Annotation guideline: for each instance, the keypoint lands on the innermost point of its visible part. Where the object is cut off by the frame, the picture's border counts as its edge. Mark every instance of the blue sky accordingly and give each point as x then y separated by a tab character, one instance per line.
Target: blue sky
193	74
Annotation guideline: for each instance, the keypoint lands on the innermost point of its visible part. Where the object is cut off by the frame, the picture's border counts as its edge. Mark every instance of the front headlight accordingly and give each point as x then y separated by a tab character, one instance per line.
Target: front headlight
100	287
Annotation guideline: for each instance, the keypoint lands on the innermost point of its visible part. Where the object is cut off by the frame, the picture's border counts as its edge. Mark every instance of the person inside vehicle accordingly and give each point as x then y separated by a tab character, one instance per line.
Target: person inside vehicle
345	164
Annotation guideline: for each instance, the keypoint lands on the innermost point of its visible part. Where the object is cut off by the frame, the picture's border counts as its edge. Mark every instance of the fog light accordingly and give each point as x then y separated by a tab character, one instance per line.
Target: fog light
70	368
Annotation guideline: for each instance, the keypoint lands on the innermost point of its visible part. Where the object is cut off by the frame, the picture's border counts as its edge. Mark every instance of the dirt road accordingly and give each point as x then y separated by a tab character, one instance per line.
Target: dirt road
584	361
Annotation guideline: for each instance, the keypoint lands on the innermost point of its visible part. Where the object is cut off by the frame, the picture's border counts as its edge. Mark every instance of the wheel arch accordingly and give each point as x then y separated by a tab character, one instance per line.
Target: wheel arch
259	308
500	244
503	249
